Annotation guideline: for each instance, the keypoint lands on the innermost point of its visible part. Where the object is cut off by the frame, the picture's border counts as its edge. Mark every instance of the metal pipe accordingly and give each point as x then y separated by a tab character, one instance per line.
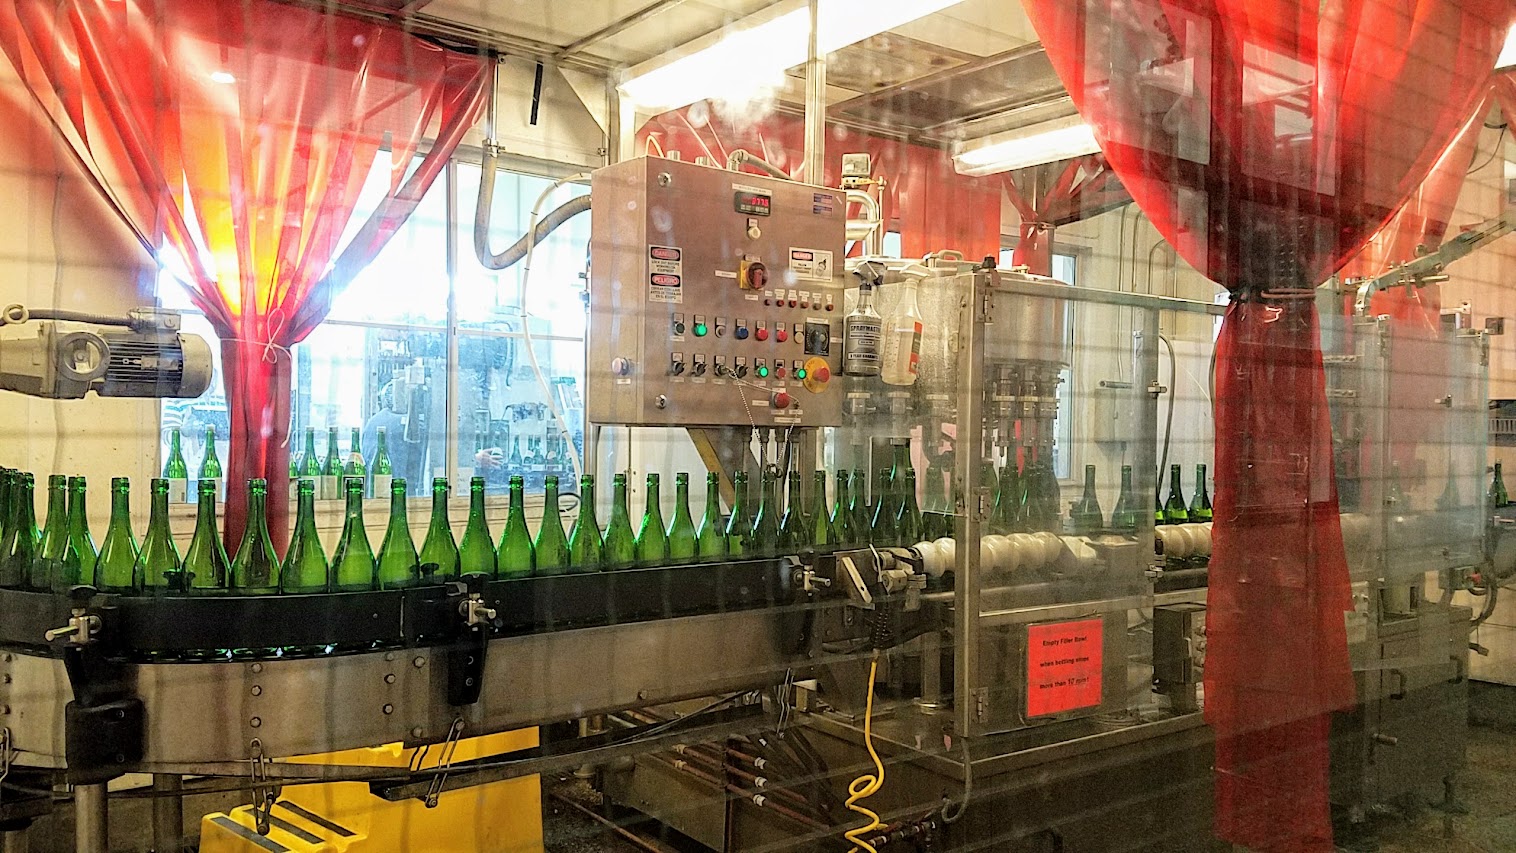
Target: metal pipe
168	813
873	238
620	830
757	798
617	26
743	157
489	140
815	104
91	819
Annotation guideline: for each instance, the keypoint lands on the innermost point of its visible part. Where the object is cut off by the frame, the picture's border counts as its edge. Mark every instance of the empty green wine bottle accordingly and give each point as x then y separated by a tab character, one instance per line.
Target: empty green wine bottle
900	459
652	535
620	543
439	553
255	569
1499	498
1448	501
1200	504
516	559
157	568
514	461
210	462
310	465
175	471
550	550
1158	511
863	518
355	465
681	533
118	550
739	528
908	517
353	561
794	526
78	530
384	470
54	551
1086	515
936	509
22	544
397	553
764	541
882	532
330	484
1007	510
205	563
823	534
305	568
1124	516
7	483
476	552
584	543
710	541
1175	511
842	515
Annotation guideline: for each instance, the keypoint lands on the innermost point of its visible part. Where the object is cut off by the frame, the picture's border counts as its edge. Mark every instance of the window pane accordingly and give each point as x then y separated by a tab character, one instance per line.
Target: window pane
192	416
502	407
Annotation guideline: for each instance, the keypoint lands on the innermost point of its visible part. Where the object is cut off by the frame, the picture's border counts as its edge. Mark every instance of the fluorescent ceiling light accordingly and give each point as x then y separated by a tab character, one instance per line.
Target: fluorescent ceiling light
751	55
1507	56
1033	145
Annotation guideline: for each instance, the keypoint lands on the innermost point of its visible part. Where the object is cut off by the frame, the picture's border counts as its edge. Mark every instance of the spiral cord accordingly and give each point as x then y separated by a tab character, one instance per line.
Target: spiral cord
867	785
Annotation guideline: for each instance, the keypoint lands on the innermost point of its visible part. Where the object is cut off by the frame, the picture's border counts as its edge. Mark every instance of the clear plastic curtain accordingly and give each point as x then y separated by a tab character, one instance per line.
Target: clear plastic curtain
234	140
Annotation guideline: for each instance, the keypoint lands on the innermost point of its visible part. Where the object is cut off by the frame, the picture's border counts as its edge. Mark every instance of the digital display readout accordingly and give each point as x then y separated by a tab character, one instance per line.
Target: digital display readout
753	203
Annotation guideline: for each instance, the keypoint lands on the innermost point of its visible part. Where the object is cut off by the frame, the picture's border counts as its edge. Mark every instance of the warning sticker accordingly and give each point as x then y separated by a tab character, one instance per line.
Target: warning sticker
1063	666
664	287
813	264
667	260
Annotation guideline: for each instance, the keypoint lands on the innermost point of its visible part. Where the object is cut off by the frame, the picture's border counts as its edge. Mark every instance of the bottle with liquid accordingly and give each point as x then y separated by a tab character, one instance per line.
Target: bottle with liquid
1200	504
118	550
1176	511
682	538
794	527
157	567
823	534
384	471
175	471
353	562
331	469
310	466
586	547
842	514
255	569
1499	498
739	528
78	530
54	550
1007	509
900	349
476	551
550	550
1124	516
439	553
652	536
908	519
397	553
515	556
882	531
710	540
764	541
23	538
305	567
1085	516
861	330
1158	517
355	466
205	562
619	544
210	463
863	519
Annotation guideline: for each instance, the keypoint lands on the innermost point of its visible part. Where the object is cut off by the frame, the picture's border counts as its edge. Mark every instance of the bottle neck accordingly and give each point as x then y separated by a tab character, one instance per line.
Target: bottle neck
476	502
1174	479
383	444
681	494
331	442
158	511
587	500
206	514
550	501
397	504
173	444
57	504
654	502
518	498
310	442
439	506
121	509
1126	479
1089	478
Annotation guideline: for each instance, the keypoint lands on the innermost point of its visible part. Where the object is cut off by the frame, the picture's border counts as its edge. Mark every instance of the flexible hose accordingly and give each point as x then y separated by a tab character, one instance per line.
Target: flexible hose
1168	426
867	785
737	159
535	233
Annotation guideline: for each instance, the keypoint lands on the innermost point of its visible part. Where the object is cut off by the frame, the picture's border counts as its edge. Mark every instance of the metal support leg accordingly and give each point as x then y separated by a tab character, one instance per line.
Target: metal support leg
168	813
13	841
90	819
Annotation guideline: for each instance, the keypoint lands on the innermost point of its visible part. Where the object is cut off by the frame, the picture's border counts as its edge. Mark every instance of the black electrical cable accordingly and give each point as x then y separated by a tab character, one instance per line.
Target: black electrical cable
1495	149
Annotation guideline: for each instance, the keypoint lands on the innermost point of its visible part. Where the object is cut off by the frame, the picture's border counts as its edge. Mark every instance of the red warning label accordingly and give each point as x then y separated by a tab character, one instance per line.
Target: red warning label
1063	666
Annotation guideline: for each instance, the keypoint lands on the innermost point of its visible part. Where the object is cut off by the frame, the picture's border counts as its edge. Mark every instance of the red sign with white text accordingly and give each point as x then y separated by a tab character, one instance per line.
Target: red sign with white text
1063	666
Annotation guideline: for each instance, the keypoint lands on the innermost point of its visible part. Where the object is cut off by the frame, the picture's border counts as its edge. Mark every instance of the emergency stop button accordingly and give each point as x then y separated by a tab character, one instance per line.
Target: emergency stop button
817	374
780	400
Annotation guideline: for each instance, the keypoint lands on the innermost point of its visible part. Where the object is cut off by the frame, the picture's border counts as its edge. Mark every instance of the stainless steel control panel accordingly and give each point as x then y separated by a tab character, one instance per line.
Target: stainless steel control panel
715	298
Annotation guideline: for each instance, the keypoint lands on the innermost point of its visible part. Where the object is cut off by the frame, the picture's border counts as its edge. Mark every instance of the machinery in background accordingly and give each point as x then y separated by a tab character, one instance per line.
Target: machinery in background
140	355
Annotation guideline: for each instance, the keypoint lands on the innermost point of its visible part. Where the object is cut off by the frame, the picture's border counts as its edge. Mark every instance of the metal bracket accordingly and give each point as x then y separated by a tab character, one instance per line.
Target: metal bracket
445	761
465	659
265	794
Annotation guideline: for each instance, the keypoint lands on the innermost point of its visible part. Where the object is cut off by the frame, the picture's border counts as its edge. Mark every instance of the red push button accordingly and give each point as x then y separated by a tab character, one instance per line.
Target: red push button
781	335
792	303
763	334
780	400
822	375
779	371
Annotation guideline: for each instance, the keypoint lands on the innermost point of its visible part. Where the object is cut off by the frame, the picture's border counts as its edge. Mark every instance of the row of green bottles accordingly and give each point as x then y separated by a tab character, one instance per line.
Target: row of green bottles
1026	500
328	473
55	556
1175	510
176	472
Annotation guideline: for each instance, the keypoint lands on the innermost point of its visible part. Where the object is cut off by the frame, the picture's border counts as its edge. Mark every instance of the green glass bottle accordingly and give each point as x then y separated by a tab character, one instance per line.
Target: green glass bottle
206	566
210	463
652	535
1176	511
1158	509
355	465
794	526
1449	500
936	510
295	462
353	560
1124	516
78	530
23	541
1007	510
157	567
764	541
174	469
331	469
882	532
384	470
682	538
255	569
517	558
1086	515
305	568
585	545
439	553
842	515
550	550
55	550
7	482
476	552
310	465
118	550
710	540
397	553
900	459
1499	498
823	534
863	519
908	518
739	528
1200	504
620	543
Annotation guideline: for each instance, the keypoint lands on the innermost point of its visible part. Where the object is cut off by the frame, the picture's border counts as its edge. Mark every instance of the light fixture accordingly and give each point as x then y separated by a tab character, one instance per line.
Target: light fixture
1507	58
751	55
1033	145
223	77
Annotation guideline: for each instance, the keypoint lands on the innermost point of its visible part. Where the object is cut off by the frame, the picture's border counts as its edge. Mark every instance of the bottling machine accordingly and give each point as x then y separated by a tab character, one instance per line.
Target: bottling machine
1021	684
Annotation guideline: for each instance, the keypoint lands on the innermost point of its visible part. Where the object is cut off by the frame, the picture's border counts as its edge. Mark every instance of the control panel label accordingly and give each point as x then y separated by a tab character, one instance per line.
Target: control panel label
811	264
664	287
1063	666
665	260
750	200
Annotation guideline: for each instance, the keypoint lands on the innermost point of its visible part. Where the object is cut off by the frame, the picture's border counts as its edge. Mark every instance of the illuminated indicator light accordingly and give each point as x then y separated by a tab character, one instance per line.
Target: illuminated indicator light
699	330
800	373
763	370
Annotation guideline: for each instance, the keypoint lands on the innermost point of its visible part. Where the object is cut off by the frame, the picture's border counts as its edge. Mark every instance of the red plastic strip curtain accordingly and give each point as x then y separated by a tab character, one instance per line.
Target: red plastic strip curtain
1057	194
234	140
1267	140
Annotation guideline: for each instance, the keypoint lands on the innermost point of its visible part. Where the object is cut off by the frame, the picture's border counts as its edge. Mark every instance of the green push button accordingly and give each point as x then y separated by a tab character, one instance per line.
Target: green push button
763	370
700	330
799	373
